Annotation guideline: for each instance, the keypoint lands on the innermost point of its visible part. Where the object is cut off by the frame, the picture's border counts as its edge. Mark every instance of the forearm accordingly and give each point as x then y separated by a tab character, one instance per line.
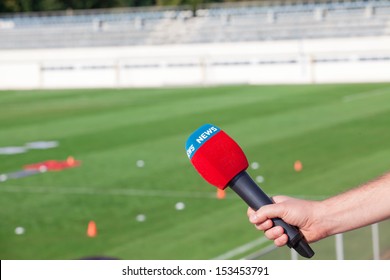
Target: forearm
357	207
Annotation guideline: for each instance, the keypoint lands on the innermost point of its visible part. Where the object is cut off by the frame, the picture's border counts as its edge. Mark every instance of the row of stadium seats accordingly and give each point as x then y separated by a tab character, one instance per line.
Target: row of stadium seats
222	23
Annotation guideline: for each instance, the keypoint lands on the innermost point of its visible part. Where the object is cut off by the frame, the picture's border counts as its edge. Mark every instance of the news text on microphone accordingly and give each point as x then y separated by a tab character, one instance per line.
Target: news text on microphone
209	271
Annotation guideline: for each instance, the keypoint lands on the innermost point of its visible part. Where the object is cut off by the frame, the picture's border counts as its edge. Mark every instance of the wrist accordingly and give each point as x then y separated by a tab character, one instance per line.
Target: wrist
330	218
321	221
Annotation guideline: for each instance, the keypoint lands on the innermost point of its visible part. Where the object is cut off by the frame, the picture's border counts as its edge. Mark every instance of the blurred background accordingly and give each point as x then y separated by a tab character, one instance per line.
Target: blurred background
97	99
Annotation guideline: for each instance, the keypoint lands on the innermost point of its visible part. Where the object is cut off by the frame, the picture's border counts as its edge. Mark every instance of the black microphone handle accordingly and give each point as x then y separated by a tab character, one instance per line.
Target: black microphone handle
250	192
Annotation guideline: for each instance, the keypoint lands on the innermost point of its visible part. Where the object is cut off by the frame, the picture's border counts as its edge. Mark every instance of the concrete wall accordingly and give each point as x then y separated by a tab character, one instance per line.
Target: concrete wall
304	61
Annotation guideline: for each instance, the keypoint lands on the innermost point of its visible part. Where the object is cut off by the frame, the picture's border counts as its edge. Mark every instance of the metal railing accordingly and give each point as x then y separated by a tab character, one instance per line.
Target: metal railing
218	23
368	243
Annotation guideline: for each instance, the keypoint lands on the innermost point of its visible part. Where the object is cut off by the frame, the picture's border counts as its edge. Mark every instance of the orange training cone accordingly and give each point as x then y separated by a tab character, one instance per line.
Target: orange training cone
221	194
91	230
298	166
70	160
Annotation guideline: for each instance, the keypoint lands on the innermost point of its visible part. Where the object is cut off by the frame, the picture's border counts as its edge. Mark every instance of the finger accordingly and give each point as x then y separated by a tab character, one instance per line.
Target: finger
274	233
267	212
250	212
258	220
265	225
280	198
281	241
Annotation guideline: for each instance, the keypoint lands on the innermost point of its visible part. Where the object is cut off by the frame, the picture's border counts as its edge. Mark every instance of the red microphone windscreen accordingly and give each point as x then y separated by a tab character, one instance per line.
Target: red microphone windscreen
216	156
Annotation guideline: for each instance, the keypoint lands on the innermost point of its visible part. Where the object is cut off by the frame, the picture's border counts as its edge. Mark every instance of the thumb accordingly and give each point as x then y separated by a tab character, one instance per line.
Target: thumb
280	198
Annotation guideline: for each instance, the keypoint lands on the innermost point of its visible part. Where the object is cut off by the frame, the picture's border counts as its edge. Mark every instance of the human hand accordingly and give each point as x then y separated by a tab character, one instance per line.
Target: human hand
296	212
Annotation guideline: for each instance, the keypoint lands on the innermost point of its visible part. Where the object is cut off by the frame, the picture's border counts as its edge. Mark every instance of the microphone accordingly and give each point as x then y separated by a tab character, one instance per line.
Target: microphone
222	163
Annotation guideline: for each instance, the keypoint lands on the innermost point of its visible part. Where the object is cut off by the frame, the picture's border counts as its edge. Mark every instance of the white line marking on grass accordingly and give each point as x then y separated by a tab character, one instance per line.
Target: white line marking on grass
128	192
261	253
241	249
121	192
366	94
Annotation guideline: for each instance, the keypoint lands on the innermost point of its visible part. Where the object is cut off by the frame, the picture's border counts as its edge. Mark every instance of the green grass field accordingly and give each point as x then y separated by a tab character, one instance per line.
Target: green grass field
341	134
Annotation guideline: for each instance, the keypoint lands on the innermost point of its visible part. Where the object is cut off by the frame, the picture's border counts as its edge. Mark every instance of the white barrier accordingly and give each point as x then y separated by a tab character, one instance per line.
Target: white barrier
287	62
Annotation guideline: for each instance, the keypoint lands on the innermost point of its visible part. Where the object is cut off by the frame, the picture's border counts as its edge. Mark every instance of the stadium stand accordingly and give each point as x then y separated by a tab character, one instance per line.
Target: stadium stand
253	21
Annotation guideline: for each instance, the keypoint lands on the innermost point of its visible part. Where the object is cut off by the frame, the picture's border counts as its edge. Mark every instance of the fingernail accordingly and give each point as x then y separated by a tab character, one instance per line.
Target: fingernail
253	218
280	232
